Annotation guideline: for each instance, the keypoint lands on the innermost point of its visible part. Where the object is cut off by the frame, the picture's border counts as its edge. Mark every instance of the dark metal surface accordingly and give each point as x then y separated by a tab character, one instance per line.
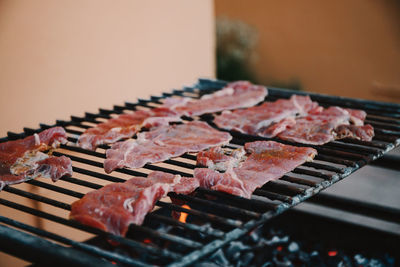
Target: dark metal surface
47	253
218	217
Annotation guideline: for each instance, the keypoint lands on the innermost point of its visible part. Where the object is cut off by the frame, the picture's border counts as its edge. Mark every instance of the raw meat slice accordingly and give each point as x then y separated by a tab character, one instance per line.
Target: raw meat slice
220	159
357	117
22	160
235	95
317	128
363	133
277	128
324	125
125	126
267	160
163	143
114	207
255	120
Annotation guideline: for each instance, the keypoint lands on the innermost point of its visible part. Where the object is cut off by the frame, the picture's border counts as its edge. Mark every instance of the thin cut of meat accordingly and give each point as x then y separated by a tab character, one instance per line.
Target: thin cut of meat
240	94
23	159
267	160
164	143
318	128
125	126
323	126
220	159
357	117
277	128
363	133
297	119
256	120
114	207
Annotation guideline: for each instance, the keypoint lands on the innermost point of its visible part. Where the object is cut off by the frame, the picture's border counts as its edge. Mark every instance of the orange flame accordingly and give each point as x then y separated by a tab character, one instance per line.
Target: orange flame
332	253
183	216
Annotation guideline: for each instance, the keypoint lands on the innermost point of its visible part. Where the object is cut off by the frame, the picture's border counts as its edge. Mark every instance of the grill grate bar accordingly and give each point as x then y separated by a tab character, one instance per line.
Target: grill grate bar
191	166
224	208
273	196
336	160
249	203
124	241
203	215
209	217
299	180
321	166
167	205
313	173
82	246
193	227
59	204
36	197
91	185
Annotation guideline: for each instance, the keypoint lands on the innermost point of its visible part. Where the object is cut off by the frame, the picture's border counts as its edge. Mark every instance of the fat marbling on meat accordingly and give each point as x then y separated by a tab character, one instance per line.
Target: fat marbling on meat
125	125
240	94
266	161
114	207
256	120
24	159
328	124
163	143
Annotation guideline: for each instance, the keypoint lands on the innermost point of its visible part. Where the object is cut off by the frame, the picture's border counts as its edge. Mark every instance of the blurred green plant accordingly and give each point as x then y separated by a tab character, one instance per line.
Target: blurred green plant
235	53
235	49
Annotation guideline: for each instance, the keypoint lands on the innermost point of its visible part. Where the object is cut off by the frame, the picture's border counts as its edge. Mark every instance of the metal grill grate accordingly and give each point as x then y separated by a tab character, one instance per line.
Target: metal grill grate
216	217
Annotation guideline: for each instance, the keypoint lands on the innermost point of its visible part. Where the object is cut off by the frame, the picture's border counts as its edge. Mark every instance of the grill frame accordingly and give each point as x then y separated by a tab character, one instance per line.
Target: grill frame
338	152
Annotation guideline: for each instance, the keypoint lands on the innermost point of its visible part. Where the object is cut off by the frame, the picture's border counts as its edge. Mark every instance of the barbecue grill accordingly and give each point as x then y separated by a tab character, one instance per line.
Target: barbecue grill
214	218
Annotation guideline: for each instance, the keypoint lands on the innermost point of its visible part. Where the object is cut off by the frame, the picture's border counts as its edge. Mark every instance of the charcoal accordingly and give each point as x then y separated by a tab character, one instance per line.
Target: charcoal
360	259
293	247
246	259
234	249
268	264
274	247
219	258
206	264
282	261
277	240
254	237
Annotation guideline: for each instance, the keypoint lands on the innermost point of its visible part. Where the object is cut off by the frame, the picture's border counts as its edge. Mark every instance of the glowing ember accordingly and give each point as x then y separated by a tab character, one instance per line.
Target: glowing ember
279	248
332	253
147	241
183	216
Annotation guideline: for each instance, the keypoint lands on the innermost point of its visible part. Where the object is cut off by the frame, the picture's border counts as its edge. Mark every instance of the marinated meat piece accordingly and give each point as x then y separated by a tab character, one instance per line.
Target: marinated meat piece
220	159
114	207
267	160
235	95
23	159
357	117
163	143
316	129
325	125
363	133
125	126
256	120
277	128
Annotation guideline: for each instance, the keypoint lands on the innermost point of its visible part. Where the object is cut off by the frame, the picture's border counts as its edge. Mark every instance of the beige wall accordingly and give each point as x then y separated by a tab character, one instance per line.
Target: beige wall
349	48
59	58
